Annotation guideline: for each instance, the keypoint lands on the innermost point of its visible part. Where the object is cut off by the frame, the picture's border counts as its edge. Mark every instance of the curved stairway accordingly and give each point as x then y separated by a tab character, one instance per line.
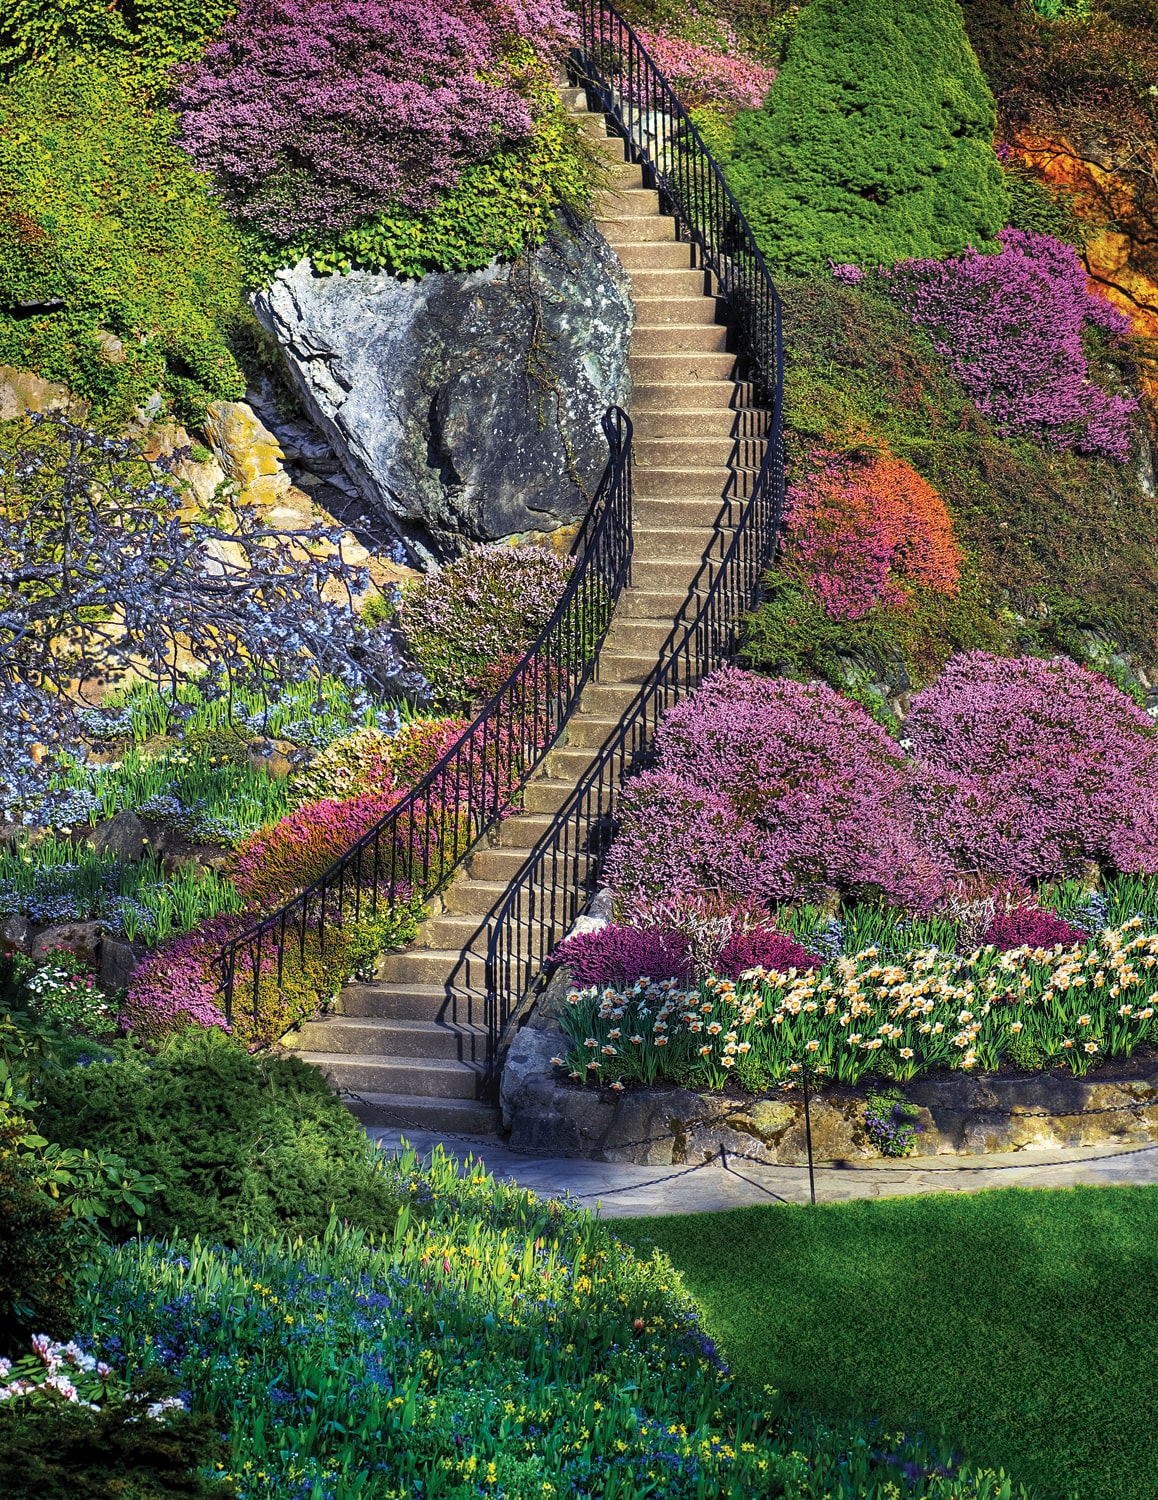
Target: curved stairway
409	1048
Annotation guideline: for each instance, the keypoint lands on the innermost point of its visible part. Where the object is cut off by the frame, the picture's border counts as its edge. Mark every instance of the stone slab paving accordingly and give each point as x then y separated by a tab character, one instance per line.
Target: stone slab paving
622	1191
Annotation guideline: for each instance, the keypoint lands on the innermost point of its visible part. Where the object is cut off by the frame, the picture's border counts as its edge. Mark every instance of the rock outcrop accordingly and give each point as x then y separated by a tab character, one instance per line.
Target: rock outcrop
465	407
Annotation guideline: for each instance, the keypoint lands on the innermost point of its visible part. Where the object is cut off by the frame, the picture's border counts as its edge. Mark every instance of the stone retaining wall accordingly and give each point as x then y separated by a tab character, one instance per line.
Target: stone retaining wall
960	1114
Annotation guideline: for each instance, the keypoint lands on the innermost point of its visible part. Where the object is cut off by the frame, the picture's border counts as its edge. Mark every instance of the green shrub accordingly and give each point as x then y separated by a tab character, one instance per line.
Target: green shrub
240	1143
136	41
118	275
38	1260
791	635
875	145
53	1449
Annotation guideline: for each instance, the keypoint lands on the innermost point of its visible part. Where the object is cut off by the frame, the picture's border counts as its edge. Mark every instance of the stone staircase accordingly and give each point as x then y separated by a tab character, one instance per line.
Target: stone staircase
409	1048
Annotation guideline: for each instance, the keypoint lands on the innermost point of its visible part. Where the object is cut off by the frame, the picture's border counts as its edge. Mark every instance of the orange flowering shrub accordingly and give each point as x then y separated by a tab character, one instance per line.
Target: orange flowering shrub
863	530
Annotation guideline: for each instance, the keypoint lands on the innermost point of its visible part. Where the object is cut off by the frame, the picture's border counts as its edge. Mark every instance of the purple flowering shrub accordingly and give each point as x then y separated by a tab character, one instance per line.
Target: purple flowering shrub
468	624
621	955
1010	326
775	790
1030	927
315	114
177	985
1032	770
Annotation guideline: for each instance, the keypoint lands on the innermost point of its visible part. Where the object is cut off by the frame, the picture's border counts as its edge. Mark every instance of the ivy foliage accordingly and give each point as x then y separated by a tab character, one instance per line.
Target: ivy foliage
118	274
137	40
875	144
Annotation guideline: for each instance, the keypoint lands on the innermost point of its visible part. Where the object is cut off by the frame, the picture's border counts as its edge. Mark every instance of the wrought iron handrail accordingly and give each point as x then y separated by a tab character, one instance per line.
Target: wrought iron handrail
554	883
415	847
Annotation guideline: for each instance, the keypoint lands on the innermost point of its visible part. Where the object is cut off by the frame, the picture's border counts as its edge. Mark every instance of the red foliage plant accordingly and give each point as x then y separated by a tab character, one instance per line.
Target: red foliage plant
862	530
1030	927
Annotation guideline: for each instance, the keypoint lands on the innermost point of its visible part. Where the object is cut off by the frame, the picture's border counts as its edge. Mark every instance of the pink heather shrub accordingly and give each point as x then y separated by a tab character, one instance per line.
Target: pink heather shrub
314	114
279	860
1033	769
1010	326
707	75
773	790
178	985
468	624
1030	927
619	956
862	529
758	948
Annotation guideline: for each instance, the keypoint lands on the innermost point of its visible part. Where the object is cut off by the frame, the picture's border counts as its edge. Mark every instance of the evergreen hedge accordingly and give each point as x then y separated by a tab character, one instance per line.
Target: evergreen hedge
876	143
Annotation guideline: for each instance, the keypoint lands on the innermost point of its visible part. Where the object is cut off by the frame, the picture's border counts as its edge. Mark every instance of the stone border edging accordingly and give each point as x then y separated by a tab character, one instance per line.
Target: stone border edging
960	1113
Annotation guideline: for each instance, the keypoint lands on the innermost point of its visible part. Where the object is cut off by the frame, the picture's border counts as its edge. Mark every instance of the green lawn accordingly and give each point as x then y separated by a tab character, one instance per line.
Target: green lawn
1021	1323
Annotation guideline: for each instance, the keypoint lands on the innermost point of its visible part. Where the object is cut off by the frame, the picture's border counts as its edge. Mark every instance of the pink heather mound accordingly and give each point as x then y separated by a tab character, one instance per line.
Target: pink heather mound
314	114
1032	770
773	790
1010	326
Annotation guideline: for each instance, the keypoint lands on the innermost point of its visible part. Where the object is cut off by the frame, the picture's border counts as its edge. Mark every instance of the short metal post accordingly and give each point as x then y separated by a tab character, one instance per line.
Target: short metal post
808	1138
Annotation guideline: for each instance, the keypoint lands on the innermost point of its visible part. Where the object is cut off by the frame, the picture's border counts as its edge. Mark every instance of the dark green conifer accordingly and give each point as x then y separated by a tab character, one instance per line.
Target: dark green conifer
876	143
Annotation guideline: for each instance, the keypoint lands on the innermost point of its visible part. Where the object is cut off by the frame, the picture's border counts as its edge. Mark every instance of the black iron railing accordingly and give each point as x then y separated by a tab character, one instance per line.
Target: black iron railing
558	877
415	848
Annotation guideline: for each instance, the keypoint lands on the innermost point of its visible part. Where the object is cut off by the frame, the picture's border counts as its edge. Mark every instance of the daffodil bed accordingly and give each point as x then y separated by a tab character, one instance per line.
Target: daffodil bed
496	1346
1008	1318
872	1013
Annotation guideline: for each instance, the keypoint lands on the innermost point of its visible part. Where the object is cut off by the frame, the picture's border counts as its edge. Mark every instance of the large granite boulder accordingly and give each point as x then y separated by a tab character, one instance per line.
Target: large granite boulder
466	407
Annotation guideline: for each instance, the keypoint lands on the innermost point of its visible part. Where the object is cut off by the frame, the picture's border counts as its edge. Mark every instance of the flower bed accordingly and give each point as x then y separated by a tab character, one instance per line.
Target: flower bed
497	1345
872	1014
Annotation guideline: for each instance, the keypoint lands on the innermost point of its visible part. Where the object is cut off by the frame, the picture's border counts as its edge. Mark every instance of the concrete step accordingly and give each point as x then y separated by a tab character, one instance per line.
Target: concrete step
626	174
547	794
522	831
401	1001
364	1036
689	452
690	517
675	338
469	1117
639	603
469	894
683	368
438	1078
691	426
650	285
613	699
653	254
457	930
655	481
499	864
623	202
618	230
652	394
635	635
676	308
567	763
434	966
590	731
617	667
662	573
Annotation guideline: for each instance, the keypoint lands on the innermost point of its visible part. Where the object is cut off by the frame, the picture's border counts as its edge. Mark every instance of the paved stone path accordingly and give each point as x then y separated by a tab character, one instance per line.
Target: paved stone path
623	1191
